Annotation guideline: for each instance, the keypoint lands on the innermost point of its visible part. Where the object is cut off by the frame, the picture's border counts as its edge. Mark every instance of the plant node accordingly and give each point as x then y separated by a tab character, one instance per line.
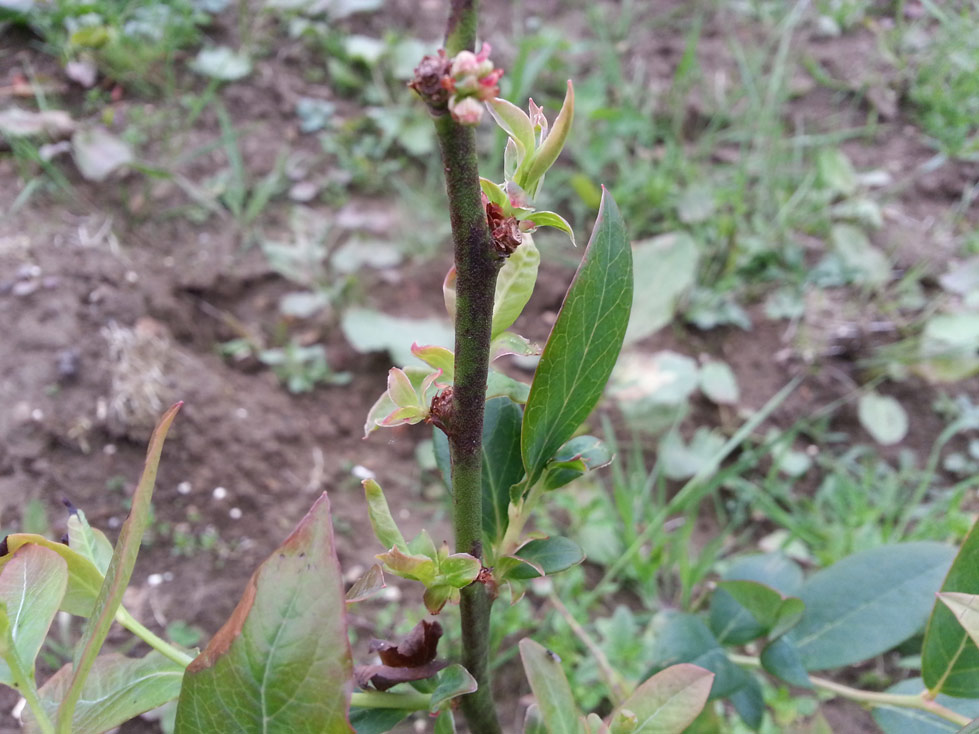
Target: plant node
440	412
505	230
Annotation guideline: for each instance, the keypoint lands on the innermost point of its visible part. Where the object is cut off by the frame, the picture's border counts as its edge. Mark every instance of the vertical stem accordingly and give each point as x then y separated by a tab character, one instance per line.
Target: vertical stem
476	271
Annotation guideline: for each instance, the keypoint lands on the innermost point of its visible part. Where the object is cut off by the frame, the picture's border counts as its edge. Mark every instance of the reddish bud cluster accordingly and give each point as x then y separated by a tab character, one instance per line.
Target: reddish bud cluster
461	84
505	230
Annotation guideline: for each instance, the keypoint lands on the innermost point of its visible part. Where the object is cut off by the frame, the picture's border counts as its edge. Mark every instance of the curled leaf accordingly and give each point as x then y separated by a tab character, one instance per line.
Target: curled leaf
411	659
531	172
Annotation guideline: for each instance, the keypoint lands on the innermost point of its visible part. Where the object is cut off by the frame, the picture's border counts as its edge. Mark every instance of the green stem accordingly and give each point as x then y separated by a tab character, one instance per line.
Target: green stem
476	271
918	701
25	686
163	647
409	701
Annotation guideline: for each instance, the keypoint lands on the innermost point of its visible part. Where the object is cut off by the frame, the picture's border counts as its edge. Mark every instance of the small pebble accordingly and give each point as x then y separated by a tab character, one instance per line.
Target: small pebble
234	513
109	449
184	488
391	593
37	415
219	493
154	579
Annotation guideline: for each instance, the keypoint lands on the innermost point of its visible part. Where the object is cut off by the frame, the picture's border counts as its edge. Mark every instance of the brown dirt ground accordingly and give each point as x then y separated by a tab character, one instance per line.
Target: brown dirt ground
105	258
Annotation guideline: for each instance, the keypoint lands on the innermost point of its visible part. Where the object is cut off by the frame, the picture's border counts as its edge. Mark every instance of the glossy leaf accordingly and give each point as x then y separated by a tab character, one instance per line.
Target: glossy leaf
385	528
515	123
453	682
550	686
438	358
494	193
117	689
32	584
781	659
668	702
540	557
947	656
84	579
965	607
733	623
684	638
510	343
514	285
868	603
583	345
119	572
895	720
282	662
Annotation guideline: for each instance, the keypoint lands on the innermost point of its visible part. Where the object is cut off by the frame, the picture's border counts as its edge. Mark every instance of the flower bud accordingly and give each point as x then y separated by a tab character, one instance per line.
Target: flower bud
466	63
466	111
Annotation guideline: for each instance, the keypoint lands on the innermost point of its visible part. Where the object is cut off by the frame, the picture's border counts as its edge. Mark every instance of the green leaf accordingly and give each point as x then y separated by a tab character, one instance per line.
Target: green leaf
119	572
730	621
117	689
502	465
870	266
684	638
868	603
367	585
84	579
494	193
719	384
376	721
541	557
32	584
515	123
972	728
550	219
965	607
667	267
385	528
282	662
883	418
453	682
781	659
766	605
550	687
532	170
749	702
413	566
533	723
836	172
499	385
514	285
949	343
668	702
583	345
373	331
458	570
895	720
580	454
948	661
436	597
89	542
445	723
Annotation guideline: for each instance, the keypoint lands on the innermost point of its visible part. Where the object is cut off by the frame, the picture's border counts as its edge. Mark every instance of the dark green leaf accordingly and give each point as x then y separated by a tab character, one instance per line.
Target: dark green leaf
550	687
584	343
869	602
749	702
669	701
580	454
730	621
542	557
948	657
32	584
376	721
116	690
684	638
781	659
502	465
895	720
282	662
119	572
453	682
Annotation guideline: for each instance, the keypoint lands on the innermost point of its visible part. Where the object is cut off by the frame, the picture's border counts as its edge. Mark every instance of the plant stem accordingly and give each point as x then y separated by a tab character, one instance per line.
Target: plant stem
163	647
872	698
25	686
476	271
411	701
